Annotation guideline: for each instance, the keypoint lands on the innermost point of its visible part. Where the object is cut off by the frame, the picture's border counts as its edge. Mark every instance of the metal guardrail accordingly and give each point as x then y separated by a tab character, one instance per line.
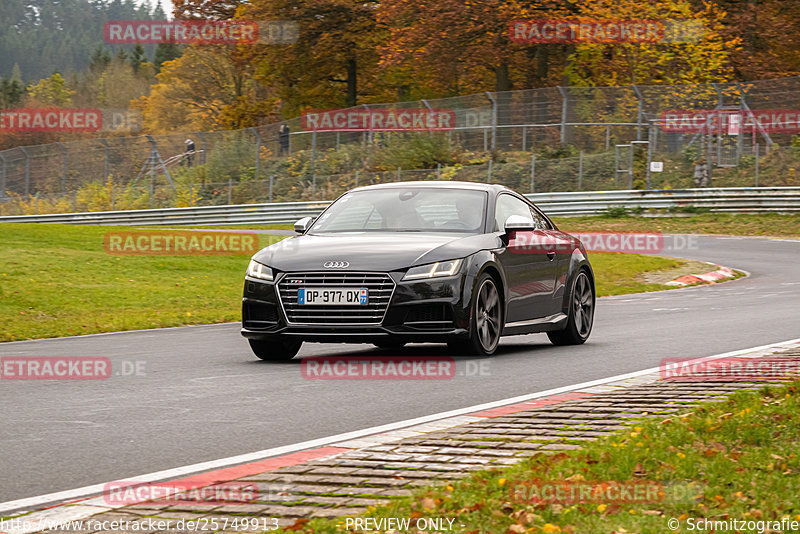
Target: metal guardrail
731	199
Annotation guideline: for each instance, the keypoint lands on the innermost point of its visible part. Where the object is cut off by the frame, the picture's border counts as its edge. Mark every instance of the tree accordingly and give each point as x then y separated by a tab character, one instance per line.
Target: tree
768	30
332	63
52	91
205	9
11	93
100	60
166	52
696	57
199	90
137	57
460	47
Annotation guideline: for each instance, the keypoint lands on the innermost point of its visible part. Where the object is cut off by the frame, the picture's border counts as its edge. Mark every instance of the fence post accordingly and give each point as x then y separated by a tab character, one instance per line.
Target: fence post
271	179
107	168
533	170
709	160
608	137
3	178
524	135
63	167
757	164
651	140
399	177
27	171
580	170
313	163
438	171
430	110
493	100
639	113
630	169
258	150
203	146
489	174
230	190
563	114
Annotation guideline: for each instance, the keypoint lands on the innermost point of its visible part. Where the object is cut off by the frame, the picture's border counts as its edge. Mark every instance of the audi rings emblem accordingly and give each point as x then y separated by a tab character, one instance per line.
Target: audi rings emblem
336	264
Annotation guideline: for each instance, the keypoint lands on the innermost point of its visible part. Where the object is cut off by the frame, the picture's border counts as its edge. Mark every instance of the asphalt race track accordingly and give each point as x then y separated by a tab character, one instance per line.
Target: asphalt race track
203	395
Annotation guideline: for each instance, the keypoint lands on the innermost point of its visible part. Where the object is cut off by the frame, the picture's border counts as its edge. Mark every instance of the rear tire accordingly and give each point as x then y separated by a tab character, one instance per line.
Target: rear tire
486	320
278	349
581	313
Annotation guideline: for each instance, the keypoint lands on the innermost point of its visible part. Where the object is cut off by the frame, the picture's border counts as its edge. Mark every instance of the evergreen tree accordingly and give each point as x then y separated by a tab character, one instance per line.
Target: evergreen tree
167	52
137	57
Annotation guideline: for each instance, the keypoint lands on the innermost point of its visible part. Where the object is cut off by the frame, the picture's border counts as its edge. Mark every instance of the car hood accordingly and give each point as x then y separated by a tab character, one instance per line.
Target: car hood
369	251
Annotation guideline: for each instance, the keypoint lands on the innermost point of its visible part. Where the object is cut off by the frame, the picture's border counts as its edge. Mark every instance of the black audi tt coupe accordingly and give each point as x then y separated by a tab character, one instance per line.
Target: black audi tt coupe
453	262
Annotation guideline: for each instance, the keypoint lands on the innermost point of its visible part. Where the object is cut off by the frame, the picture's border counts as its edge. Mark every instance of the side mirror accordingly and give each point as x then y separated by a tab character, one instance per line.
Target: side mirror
517	223
303	225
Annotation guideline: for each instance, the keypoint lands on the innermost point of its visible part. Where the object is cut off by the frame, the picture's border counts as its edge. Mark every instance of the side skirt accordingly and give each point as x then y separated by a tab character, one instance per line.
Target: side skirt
556	321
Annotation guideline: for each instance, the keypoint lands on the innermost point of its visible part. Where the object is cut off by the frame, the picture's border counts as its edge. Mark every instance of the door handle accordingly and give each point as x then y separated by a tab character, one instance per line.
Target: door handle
551	254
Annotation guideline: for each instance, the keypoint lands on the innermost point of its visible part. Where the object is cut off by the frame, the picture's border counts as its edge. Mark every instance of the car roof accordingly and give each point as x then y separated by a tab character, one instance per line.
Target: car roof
437	184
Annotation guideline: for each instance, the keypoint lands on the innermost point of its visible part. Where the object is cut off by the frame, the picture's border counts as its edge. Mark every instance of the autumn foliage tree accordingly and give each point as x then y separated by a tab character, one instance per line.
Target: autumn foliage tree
456	47
694	49
201	91
768	31
332	63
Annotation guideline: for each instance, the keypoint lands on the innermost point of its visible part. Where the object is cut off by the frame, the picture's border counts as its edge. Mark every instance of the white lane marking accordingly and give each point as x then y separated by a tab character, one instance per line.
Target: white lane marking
95	489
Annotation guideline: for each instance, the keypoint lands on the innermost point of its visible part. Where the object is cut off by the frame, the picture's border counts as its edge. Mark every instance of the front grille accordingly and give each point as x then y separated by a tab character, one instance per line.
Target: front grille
379	292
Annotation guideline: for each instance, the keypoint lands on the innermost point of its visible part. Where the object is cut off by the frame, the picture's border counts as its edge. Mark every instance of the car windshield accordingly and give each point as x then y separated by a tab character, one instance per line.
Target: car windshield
405	209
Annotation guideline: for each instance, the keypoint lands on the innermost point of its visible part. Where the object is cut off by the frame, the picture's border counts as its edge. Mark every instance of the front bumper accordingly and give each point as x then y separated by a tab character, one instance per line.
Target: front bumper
419	310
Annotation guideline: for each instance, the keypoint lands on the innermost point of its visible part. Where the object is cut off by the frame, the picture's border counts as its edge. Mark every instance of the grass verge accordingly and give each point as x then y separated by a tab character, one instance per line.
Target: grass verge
736	459
58	280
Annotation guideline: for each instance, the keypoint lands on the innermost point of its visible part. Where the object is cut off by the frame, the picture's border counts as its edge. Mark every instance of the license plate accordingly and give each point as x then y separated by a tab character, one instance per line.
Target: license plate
321	296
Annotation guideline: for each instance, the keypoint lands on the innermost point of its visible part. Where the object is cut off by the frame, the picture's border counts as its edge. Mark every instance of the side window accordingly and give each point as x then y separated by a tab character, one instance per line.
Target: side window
507	206
540	222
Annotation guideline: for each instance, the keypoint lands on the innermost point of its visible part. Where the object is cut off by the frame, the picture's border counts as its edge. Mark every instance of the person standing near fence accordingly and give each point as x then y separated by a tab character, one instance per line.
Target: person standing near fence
189	152
283	138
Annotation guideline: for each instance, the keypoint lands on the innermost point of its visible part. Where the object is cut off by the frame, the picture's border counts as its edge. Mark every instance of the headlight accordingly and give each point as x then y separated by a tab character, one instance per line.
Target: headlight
260	271
432	270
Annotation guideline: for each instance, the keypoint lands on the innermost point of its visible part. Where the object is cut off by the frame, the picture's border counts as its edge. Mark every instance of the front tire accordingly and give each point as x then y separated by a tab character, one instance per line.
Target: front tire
278	349
581	313
486	320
